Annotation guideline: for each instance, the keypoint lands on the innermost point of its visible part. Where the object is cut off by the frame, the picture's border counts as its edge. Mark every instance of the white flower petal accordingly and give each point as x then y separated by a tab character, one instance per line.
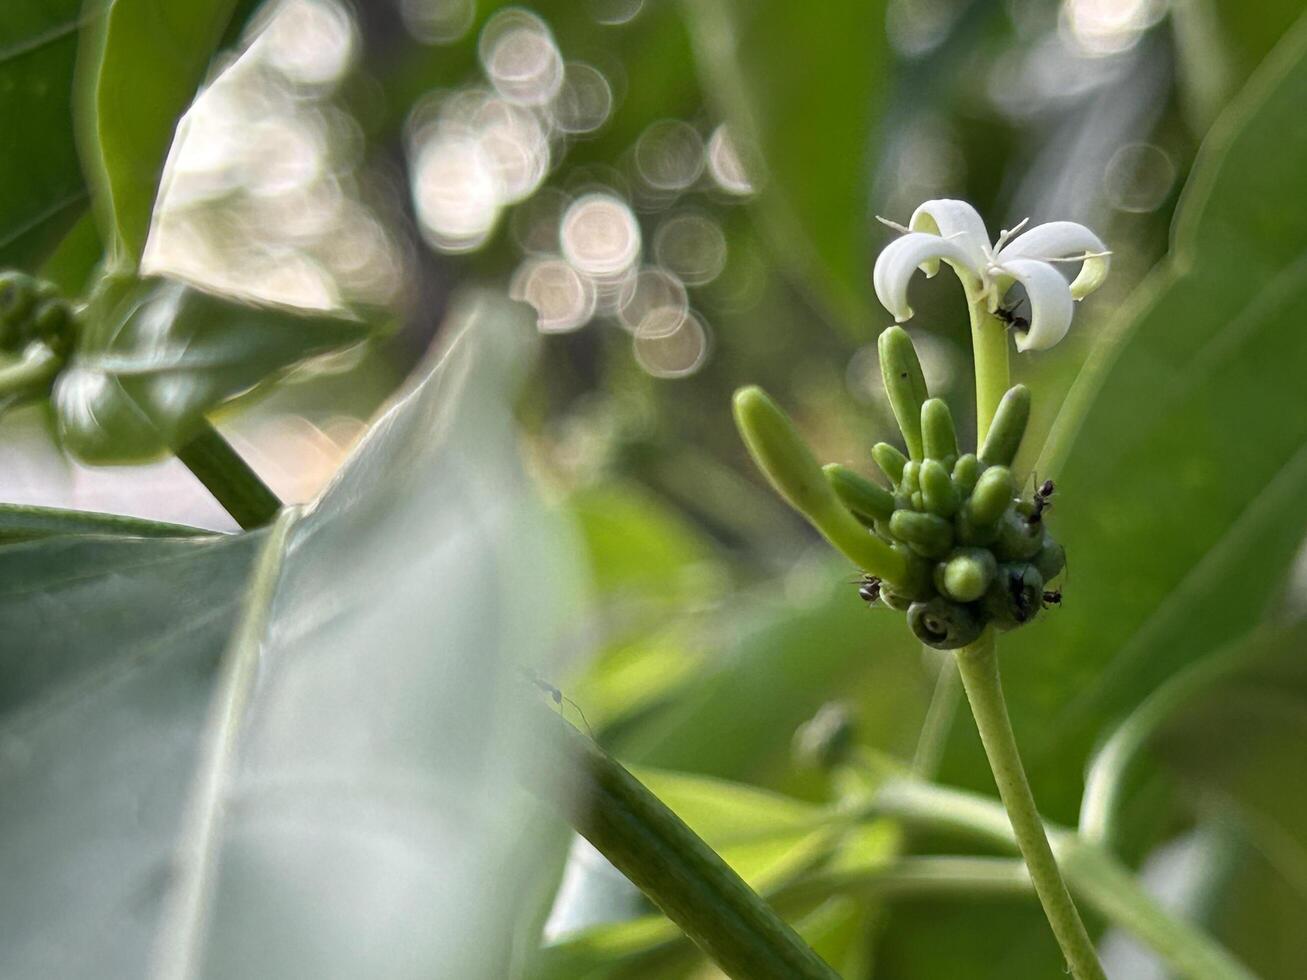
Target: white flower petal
900	259
1051	305
957	221
1062	240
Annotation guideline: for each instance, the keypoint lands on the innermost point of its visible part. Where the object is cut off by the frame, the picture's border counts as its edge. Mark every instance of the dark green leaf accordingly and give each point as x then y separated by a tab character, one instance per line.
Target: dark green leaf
1179	499
805	84
155	355
146	59
41	186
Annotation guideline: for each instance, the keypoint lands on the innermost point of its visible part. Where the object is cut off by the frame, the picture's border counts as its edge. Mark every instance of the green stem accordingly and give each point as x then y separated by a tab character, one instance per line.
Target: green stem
229	478
989	343
938	723
667	861
978	665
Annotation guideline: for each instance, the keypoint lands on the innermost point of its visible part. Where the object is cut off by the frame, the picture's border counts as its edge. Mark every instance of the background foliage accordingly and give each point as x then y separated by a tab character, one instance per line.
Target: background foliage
290	751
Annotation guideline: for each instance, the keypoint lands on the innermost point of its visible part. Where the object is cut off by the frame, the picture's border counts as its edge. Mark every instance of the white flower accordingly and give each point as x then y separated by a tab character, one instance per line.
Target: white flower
954	232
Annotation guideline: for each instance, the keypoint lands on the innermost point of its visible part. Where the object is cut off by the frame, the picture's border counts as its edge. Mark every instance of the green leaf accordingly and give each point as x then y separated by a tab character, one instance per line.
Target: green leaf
155	355
106	668
41	186
346	805
144	62
1179	497
805	84
21	523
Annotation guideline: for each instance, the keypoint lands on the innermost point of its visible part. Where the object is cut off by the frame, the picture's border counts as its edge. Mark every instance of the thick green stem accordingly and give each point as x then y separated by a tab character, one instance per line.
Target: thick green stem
666	860
989	343
1096	878
229	478
978	665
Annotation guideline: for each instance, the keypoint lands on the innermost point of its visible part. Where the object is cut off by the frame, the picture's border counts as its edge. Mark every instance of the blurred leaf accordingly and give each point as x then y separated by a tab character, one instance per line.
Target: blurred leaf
22	523
1179	498
764	836
348	814
637	546
1236	747
106	671
145	62
155	355
41	186
805	85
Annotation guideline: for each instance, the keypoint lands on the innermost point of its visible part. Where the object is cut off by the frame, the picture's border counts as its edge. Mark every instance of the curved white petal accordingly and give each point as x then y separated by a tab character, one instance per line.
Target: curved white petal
957	221
1062	240
900	259
1051	305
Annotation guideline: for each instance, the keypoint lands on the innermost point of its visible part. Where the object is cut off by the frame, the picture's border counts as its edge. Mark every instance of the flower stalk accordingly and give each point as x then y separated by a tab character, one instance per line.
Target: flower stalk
978	666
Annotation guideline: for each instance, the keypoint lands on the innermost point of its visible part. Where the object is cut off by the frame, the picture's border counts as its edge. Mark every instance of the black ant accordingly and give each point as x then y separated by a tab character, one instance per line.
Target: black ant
869	589
555	695
1020	601
1009	316
1053	598
1042	501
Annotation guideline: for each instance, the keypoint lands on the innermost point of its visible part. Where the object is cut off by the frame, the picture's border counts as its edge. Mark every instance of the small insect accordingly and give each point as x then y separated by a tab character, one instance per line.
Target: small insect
869	589
1010	316
1053	598
1043	501
1020	601
555	695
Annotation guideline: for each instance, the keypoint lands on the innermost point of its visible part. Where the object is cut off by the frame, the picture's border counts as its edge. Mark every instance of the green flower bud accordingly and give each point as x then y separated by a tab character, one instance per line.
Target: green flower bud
905	385
911	481
991	497
785	458
937	490
967	573
1008	427
890	461
969	534
1017	537
826	739
918	501
926	534
966	471
944	625
938	438
868	502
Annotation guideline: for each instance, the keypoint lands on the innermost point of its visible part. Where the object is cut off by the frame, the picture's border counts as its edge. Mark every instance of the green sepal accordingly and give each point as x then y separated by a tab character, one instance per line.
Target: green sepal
905	385
789	464
944	625
939	439
937	491
966	574
890	461
867	502
1008	428
926	534
911	481
966	471
991	497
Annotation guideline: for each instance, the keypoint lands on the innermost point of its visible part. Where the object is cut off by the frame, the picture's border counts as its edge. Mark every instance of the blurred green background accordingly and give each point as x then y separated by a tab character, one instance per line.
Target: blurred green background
686	195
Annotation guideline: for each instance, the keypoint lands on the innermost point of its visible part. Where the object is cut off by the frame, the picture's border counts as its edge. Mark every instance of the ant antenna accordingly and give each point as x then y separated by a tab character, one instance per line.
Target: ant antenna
556	695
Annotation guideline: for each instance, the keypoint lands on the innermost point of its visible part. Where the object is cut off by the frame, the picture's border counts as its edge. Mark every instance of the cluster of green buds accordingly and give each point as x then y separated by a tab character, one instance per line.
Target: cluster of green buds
38	330
951	542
